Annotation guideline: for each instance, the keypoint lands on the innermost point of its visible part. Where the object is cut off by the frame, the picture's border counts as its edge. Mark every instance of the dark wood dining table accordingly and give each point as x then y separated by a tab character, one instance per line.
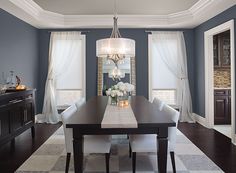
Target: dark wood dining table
87	121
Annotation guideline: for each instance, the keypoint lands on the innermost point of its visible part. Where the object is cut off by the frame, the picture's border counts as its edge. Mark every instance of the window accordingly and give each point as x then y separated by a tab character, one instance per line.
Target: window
166	95
70	84
162	82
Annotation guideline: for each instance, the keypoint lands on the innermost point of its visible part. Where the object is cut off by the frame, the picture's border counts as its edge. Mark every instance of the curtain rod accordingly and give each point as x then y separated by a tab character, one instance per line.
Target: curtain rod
149	31
69	31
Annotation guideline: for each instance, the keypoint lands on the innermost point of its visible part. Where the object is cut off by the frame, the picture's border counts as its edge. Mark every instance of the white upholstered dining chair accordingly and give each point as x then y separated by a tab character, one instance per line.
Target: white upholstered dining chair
149	142
92	143
159	103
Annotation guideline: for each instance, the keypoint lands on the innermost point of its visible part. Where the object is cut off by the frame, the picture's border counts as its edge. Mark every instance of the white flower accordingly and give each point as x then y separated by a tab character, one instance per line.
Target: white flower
122	86
119	94
129	87
113	93
120	83
120	89
116	87
108	92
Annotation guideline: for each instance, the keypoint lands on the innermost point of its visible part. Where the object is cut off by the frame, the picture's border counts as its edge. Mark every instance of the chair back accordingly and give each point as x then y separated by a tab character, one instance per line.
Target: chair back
159	103
174	115
66	115
80	102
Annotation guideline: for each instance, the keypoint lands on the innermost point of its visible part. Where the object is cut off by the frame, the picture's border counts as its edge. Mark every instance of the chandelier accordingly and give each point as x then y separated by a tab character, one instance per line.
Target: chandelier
115	48
116	74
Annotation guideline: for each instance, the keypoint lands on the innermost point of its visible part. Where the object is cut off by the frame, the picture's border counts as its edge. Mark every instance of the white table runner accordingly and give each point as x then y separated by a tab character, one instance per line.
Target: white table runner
119	117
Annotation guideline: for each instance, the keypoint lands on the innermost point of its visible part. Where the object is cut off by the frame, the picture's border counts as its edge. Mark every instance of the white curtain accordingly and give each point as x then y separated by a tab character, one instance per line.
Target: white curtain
170	47
63	49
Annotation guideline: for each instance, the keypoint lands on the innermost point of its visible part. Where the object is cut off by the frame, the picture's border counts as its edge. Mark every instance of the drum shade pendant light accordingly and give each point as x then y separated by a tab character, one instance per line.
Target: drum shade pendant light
115	48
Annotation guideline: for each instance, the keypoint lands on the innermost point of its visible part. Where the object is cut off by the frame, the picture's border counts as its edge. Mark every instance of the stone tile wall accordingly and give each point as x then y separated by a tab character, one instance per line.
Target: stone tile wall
222	78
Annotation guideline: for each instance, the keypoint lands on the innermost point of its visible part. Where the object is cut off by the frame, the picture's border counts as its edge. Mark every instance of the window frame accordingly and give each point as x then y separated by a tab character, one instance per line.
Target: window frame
83	48
150	75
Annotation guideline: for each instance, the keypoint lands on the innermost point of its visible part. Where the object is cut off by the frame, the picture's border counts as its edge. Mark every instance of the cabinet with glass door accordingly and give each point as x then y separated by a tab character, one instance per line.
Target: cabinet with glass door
221	50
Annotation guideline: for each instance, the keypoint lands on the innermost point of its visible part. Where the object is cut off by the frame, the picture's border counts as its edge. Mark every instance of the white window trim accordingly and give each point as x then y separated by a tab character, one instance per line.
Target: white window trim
150	68
150	89
83	38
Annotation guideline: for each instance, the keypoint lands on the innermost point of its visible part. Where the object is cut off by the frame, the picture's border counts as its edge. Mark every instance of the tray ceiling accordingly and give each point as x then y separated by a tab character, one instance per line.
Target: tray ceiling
124	7
131	13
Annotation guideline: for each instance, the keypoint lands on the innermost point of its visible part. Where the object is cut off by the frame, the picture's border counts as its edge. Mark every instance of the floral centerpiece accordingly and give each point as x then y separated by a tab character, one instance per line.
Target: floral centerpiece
119	90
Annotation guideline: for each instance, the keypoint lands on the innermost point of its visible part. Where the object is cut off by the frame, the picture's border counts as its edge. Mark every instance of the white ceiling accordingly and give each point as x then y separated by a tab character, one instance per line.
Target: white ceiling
124	7
131	13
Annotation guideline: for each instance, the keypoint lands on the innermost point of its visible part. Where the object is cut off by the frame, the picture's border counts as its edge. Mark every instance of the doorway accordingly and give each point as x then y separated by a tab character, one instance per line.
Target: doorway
222	83
219	97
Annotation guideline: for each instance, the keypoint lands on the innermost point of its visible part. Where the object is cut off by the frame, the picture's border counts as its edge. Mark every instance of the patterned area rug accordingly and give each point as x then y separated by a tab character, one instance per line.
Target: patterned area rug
51	158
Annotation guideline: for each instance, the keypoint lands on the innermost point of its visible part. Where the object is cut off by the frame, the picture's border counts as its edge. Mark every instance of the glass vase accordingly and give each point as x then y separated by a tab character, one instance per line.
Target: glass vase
124	97
114	100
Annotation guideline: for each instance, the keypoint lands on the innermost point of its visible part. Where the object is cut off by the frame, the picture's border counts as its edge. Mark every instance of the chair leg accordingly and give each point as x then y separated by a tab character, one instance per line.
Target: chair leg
67	162
172	156
130	151
134	161
107	156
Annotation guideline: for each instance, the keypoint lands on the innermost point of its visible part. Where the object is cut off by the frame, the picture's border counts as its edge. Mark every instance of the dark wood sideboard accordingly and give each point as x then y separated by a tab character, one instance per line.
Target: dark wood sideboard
17	114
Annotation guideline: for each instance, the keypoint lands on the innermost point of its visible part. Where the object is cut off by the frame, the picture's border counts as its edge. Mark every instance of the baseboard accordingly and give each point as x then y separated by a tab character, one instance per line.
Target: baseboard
201	120
234	142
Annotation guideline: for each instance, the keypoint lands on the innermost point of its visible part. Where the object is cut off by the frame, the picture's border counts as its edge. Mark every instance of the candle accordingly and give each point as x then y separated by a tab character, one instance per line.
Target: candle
121	103
126	103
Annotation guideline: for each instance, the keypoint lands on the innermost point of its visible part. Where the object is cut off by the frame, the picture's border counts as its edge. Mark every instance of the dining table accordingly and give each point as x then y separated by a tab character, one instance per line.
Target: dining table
150	120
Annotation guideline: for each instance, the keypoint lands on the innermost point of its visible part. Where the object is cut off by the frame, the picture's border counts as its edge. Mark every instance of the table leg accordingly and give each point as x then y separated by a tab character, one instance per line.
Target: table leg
78	154
32	131
162	150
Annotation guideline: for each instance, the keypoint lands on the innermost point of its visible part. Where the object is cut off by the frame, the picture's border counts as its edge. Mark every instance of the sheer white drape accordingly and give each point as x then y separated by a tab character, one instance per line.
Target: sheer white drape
64	47
170	47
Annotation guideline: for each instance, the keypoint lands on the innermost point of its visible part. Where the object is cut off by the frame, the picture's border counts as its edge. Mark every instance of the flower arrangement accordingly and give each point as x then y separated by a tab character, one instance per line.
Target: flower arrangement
119	90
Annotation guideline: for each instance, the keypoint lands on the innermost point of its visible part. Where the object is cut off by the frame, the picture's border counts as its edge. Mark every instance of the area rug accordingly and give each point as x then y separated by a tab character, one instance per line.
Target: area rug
51	158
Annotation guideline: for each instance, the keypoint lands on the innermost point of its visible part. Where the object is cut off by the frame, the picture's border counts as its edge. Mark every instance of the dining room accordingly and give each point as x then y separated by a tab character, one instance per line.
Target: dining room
102	87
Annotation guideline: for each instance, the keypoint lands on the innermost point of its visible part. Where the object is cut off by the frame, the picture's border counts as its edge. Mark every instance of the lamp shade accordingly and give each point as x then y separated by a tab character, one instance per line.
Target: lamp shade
115	46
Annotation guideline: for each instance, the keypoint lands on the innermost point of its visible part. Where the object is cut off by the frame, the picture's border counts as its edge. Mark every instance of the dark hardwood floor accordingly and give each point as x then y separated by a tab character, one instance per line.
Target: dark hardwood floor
13	155
215	145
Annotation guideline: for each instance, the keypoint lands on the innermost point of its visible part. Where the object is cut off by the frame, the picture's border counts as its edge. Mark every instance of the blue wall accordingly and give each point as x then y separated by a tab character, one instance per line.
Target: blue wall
141	38
24	49
199	77
18	48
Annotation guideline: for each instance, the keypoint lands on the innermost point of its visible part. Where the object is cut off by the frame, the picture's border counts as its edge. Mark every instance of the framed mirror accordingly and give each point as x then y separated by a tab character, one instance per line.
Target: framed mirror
107	78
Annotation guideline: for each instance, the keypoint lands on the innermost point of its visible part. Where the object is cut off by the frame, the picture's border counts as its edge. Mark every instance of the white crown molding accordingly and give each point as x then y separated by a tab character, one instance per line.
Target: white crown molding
32	13
200	5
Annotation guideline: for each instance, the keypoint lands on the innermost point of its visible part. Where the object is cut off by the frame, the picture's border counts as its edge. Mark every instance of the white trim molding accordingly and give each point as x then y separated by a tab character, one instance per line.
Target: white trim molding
32	13
201	120
150	68
209	74
234	142
83	38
